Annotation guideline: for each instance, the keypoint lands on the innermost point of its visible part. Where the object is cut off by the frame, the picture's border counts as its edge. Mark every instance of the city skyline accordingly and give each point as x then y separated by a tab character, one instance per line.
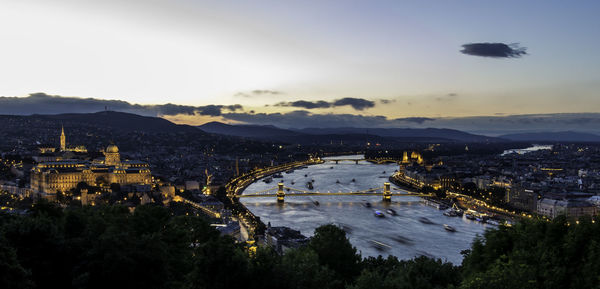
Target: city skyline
352	60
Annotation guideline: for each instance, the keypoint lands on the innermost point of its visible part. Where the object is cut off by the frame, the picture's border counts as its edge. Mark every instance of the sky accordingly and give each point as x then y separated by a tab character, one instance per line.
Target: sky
365	59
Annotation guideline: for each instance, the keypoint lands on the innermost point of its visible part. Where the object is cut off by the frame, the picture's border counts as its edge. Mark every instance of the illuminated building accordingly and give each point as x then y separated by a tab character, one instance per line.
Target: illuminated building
48	178
63	140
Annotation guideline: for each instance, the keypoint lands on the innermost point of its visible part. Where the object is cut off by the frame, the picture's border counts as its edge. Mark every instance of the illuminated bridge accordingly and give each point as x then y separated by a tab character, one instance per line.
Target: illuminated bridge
281	191
379	161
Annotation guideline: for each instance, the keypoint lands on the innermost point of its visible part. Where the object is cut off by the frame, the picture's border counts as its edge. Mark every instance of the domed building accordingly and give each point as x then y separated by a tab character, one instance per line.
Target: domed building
112	156
47	178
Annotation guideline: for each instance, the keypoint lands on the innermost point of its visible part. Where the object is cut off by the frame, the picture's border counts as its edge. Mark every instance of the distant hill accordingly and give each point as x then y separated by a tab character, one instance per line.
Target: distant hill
432	133
324	135
249	131
120	121
561	136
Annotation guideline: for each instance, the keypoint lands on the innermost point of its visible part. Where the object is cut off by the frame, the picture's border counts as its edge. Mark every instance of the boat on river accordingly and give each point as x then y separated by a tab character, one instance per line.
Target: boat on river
391	212
268	180
402	240
309	185
378	214
450	213
449	228
380	246
425	221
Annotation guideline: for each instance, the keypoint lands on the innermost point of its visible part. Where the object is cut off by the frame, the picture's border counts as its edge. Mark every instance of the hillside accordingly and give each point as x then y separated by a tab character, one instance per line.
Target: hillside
249	131
332	135
119	121
562	136
433	133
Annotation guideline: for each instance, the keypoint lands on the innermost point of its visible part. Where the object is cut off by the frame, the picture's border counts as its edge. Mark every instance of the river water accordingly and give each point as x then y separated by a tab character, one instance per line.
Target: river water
533	148
404	235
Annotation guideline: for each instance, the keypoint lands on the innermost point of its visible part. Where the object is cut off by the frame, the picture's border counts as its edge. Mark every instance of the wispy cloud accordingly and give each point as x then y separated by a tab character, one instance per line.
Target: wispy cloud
258	92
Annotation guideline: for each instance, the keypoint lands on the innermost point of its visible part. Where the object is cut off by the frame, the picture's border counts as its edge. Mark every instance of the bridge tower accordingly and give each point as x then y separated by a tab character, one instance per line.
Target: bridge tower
387	193
280	193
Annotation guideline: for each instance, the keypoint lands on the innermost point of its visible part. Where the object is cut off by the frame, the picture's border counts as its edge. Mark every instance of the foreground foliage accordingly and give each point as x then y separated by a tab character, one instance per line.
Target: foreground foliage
109	247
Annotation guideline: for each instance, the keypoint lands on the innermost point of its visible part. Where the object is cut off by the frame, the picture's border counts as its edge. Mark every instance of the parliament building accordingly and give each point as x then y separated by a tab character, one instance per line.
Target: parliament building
47	178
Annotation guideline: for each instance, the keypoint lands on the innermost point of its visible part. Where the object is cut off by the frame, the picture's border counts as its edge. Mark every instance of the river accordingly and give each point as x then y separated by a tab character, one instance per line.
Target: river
533	148
405	235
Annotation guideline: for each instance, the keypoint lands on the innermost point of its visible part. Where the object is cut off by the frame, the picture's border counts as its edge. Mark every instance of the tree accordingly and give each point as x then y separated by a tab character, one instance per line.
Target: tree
335	252
12	274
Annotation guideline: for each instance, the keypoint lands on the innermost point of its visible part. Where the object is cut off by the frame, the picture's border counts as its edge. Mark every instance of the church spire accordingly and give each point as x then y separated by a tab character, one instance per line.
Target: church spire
63	139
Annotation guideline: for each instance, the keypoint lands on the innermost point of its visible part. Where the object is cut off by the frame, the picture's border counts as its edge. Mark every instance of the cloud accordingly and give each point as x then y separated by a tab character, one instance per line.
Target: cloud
356	103
258	92
304	119
387	101
418	120
305	104
495	50
447	97
41	103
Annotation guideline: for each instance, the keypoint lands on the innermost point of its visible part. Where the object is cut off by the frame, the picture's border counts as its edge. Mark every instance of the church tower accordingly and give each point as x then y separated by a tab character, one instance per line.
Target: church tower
63	139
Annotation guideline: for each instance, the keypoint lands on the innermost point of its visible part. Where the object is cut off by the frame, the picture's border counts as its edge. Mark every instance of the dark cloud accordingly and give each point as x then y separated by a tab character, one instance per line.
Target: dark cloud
495	50
306	104
418	120
212	110
304	119
233	107
41	103
356	103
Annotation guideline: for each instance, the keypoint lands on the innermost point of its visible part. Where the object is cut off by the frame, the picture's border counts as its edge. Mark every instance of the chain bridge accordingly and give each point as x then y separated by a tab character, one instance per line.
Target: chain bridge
377	160
281	191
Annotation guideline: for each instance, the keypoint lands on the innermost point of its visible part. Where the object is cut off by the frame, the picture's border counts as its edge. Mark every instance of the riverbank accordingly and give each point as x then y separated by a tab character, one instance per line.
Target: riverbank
248	220
464	202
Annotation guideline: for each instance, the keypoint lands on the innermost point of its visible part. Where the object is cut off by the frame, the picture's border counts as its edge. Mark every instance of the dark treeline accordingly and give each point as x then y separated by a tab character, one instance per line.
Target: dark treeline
109	247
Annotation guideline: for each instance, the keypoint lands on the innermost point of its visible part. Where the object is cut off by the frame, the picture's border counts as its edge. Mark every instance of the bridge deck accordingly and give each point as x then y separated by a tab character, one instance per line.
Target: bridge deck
332	194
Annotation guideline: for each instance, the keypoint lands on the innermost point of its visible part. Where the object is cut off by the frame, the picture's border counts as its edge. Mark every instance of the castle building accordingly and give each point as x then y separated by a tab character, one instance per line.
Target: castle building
48	178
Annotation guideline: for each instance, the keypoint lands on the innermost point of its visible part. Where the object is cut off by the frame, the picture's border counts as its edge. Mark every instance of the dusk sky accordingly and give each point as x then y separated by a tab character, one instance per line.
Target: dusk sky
405	58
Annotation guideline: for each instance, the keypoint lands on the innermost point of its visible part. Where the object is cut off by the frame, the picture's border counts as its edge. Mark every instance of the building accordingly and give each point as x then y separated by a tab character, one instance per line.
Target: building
571	205
48	178
522	198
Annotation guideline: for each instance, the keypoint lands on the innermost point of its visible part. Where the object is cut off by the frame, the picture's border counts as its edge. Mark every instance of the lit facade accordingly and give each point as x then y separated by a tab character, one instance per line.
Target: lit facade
51	177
